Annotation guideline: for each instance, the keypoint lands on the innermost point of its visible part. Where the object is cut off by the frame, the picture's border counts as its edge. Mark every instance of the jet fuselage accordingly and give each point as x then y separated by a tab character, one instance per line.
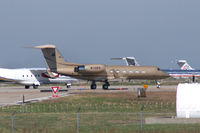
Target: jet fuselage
101	72
97	72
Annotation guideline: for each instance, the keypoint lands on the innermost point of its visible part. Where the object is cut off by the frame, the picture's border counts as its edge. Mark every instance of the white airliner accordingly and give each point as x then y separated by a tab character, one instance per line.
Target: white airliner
33	77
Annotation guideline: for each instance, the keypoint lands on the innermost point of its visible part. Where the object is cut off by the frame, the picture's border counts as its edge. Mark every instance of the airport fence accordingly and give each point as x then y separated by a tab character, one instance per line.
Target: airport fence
119	112
91	122
91	118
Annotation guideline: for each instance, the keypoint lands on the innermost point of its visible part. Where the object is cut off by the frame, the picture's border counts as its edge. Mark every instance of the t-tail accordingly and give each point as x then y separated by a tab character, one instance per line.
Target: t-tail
184	65
53	58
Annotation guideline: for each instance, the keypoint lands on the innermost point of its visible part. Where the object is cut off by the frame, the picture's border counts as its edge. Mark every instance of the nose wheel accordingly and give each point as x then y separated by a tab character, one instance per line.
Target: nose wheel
158	84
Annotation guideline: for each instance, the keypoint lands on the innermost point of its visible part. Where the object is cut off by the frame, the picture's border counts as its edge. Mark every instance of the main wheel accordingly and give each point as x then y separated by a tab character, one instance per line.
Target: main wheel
68	86
105	86
27	86
93	86
35	86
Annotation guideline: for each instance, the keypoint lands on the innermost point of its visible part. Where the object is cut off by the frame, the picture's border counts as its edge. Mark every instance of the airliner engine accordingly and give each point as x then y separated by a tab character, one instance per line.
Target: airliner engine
97	68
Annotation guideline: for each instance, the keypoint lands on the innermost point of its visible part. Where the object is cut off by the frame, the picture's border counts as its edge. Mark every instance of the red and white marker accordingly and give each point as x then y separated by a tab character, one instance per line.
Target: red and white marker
55	90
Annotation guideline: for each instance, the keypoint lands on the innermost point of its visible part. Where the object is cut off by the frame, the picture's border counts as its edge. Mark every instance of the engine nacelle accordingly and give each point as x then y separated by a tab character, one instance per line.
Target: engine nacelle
97	68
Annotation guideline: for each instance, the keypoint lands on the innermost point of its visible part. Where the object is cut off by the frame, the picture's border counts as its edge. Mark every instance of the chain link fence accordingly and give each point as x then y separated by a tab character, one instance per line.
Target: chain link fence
91	118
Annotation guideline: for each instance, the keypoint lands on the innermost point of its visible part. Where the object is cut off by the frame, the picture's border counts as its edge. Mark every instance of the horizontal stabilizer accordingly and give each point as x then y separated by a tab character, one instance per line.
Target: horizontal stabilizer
45	46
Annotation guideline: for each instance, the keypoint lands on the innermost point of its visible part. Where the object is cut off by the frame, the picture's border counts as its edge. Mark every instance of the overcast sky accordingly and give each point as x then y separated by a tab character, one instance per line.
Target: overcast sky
156	32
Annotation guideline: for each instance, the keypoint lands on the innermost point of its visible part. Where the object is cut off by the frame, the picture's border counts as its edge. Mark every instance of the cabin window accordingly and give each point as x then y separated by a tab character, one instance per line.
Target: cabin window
124	71
31	75
22	75
27	75
137	71
117	71
143	71
130	71
38	75
111	71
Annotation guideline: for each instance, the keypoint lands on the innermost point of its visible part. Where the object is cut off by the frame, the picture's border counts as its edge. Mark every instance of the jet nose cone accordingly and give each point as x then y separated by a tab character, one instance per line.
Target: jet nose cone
164	74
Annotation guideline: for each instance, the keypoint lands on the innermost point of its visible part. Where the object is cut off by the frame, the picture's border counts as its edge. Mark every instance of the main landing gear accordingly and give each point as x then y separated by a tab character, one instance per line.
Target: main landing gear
27	86
93	85
34	86
104	86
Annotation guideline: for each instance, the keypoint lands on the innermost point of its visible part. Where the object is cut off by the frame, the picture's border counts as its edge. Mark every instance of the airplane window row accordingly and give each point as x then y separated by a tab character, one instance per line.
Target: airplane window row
124	71
27	75
30	75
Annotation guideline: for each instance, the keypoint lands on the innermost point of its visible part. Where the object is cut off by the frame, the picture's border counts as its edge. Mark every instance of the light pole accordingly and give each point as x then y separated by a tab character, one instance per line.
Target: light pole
12	122
23	101
77	124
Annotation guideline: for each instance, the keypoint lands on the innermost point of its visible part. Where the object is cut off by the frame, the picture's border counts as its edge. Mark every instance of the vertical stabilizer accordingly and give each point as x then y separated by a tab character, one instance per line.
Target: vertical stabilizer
131	61
53	58
184	65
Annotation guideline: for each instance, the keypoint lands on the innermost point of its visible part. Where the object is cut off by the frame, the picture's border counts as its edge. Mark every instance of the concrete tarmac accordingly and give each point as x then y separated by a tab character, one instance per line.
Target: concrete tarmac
14	95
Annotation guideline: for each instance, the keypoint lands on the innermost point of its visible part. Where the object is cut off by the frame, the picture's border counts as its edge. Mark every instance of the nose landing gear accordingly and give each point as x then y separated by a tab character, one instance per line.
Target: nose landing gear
158	84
